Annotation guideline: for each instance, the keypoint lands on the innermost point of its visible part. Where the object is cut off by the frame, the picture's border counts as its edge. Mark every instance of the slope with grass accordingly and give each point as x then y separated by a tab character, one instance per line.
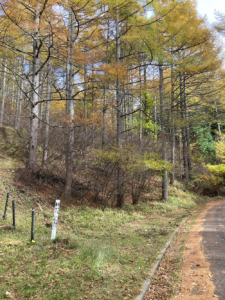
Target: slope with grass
97	254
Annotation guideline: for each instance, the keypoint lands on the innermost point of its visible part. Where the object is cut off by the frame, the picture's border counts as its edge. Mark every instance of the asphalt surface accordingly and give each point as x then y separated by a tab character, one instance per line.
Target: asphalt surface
213	242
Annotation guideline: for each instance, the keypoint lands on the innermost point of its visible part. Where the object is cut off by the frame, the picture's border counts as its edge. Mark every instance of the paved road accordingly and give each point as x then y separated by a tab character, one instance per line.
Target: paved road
214	246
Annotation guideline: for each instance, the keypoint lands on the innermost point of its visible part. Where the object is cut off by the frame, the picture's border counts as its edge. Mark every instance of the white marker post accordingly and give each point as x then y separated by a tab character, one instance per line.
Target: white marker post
55	219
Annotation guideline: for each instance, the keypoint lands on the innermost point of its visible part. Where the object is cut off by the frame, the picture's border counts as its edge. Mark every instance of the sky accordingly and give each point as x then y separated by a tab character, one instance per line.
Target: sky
207	7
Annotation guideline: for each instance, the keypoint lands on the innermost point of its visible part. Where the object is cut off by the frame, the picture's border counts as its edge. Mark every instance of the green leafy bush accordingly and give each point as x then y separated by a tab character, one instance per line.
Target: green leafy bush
205	145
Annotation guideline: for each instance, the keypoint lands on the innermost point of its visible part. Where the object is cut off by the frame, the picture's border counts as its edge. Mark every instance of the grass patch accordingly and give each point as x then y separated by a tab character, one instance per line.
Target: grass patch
97	255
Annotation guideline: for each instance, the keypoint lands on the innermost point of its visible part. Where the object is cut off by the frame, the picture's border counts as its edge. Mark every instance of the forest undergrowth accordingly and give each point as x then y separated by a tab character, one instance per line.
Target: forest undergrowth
98	254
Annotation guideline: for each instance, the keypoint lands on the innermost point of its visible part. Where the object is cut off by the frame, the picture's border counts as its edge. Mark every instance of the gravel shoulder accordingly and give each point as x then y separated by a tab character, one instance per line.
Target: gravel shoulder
188	270
196	274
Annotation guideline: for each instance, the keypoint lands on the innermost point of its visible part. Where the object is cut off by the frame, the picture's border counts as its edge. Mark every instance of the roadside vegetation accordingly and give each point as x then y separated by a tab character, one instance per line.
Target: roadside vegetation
98	254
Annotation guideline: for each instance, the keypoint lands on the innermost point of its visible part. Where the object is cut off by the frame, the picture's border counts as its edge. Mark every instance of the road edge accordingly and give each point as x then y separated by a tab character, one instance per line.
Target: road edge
145	287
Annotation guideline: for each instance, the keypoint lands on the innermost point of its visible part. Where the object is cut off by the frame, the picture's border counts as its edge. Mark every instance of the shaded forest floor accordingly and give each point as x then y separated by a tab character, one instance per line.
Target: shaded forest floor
97	254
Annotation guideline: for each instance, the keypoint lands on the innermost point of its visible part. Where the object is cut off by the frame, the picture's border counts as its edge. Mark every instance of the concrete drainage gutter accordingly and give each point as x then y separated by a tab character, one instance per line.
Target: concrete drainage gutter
147	283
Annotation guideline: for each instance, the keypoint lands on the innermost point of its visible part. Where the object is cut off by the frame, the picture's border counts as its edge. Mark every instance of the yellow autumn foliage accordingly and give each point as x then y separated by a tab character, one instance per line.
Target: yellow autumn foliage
220	149
131	161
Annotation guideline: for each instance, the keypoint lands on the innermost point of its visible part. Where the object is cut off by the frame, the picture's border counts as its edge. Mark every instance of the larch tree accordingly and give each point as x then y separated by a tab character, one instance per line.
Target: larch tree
31	21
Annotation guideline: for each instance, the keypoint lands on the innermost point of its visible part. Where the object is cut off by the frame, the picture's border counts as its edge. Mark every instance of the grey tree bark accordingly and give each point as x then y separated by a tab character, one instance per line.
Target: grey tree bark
13	89
155	107
93	103
187	131
104	110
20	104
163	131
3	91
35	88
19	94
181	164
47	114
140	107
70	106
120	194
42	83
173	145
85	113
183	129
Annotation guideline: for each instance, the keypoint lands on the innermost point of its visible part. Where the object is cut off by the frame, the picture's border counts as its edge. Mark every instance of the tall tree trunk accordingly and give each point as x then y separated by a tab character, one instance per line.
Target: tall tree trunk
20	104
42	84
85	92
104	110
187	132
70	107
183	130
140	106
13	89
3	91
93	104
18	97
125	109
8	87
155	107
47	114
35	88
130	106
172	127
145	98
163	131
180	154
85	113
120	195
